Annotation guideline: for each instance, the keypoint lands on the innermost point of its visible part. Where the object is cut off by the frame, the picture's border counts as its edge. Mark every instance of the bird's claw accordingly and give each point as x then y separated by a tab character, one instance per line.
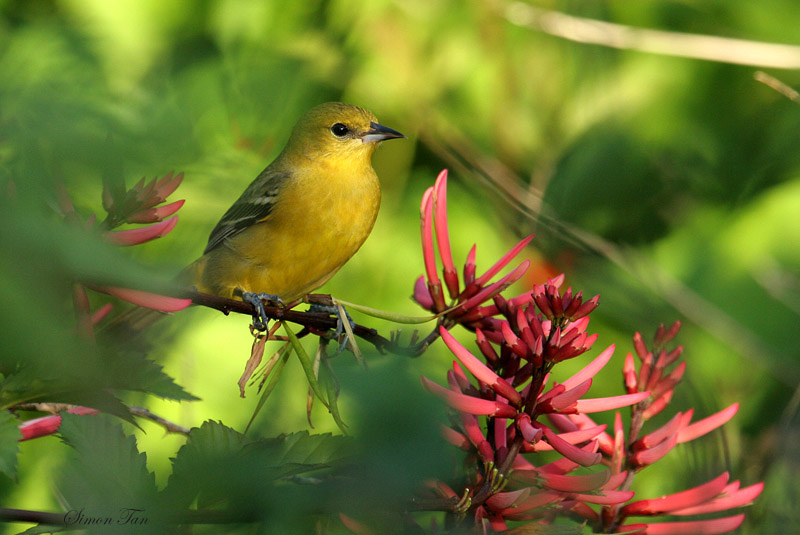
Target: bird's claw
335	310
260	319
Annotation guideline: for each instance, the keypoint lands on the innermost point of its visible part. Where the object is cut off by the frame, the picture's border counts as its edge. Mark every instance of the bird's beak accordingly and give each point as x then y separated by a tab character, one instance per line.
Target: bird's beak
378	132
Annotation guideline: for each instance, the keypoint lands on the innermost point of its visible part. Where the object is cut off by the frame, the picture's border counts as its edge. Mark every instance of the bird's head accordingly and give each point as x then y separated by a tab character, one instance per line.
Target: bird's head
335	130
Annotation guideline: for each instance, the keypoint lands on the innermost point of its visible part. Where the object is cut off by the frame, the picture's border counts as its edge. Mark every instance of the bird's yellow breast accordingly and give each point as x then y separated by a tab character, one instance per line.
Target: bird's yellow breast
323	214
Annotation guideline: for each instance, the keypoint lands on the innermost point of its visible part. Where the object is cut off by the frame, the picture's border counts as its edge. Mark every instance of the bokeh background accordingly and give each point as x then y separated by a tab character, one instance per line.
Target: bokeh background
668	185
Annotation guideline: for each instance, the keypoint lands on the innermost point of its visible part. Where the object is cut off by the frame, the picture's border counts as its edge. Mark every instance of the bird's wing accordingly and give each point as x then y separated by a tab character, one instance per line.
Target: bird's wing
253	206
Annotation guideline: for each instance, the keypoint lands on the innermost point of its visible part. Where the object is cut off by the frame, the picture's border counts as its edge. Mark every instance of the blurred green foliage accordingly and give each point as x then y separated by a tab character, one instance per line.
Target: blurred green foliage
670	186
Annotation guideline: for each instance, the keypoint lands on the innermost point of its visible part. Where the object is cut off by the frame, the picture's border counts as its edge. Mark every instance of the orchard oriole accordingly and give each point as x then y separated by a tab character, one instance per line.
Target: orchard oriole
301	219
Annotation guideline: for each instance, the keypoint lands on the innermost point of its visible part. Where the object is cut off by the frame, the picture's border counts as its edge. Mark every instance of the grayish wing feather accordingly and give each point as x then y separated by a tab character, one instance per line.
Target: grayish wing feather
253	205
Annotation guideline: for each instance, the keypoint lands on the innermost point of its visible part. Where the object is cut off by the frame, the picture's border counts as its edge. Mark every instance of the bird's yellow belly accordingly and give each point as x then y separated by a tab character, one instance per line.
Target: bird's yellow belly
296	249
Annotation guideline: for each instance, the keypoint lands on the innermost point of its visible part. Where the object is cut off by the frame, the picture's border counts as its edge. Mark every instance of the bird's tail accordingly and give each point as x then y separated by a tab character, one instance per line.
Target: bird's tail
131	324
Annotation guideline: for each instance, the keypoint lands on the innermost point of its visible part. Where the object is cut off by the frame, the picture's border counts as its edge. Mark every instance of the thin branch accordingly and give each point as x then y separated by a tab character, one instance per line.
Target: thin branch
687	45
170	427
316	322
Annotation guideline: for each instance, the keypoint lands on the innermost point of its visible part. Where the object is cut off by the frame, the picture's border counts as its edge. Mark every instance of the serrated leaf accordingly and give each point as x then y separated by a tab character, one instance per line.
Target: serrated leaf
107	473
9	444
145	375
200	462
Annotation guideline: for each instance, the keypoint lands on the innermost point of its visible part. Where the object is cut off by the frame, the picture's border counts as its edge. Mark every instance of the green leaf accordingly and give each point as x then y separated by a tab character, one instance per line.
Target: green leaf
9	444
308	366
332	389
108	473
274	375
201	463
297	453
144	375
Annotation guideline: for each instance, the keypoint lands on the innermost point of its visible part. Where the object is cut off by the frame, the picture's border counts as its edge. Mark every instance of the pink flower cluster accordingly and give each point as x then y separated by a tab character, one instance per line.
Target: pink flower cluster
501	399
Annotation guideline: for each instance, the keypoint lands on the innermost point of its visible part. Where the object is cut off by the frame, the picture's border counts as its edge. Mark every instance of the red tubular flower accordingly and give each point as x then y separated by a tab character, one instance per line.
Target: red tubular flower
706	425
47	425
469	404
147	299
141	235
706	527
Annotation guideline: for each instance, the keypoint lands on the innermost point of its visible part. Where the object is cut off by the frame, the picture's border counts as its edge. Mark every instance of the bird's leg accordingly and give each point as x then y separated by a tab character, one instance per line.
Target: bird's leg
335	310
260	319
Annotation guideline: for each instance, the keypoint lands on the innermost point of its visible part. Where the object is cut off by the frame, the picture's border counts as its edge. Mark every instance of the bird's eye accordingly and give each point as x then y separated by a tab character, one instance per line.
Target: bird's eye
339	130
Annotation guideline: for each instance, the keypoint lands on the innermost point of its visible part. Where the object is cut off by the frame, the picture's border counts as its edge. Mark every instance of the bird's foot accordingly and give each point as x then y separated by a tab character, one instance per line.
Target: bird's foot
260	319
341	315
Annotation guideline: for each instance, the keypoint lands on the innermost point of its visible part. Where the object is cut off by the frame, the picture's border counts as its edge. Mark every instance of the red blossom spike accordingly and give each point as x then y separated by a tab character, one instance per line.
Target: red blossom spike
469	404
479	369
151	215
610	403
147	299
143	234
571	452
671	380
706	425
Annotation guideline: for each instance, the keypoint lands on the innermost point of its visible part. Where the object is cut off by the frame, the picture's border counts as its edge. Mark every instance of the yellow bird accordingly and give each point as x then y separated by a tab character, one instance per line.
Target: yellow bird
304	216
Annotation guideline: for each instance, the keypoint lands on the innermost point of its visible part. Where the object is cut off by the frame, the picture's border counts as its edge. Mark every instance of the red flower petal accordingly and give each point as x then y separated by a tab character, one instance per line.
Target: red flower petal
697	527
469	404
707	425
610	403
591	369
479	369
147	299
680	500
144	234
